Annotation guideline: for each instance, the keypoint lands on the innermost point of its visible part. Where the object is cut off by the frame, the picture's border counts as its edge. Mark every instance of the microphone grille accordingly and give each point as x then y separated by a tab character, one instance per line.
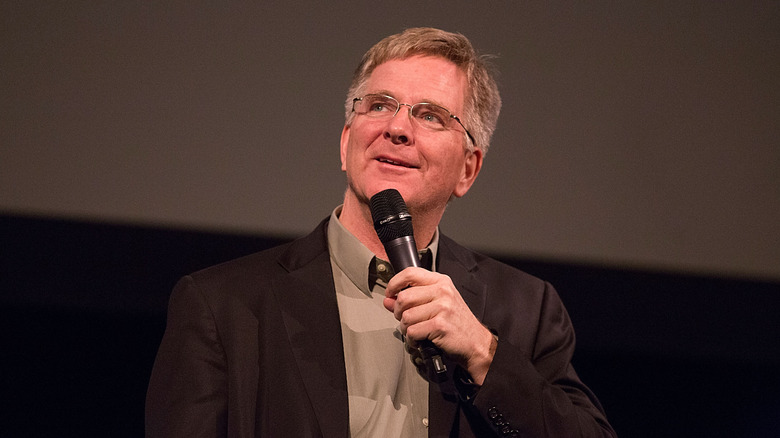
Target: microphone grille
390	215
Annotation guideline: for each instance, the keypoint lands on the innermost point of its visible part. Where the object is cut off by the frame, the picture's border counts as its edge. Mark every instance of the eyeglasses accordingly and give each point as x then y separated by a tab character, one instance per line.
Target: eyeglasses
427	115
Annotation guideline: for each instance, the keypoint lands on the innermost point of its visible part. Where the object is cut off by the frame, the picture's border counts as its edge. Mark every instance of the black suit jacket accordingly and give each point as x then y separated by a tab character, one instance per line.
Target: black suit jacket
253	348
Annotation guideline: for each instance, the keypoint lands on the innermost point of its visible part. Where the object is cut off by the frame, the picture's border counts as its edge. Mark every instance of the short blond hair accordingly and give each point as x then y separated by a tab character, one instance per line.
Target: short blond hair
483	102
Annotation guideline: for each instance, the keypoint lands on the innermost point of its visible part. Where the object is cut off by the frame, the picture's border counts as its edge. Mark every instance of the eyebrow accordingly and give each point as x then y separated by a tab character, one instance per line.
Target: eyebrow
388	93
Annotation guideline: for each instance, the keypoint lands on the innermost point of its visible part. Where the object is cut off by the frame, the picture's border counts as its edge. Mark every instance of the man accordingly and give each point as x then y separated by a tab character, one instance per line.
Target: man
314	338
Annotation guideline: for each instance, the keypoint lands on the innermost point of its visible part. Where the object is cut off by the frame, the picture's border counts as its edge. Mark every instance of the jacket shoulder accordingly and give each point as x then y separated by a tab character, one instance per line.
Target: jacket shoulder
485	267
273	261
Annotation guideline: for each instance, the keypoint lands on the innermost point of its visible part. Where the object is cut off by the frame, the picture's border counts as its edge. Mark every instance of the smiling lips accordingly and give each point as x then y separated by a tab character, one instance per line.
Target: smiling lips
395	163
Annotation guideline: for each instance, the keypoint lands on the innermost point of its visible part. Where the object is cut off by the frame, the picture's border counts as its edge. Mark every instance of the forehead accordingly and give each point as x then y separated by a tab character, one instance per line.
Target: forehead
421	78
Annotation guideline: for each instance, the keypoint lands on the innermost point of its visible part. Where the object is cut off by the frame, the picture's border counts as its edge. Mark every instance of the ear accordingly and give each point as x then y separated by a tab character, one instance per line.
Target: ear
344	143
471	167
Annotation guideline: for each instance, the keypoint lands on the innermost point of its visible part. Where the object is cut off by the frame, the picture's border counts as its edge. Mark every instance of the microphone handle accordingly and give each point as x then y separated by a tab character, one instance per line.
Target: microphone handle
402	253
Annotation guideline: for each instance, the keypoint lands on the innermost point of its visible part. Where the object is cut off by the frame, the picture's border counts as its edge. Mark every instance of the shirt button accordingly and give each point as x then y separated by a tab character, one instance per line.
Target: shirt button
381	267
425	422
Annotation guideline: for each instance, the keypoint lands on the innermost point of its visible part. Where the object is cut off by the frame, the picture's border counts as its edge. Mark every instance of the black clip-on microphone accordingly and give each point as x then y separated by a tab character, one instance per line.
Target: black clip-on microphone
393	225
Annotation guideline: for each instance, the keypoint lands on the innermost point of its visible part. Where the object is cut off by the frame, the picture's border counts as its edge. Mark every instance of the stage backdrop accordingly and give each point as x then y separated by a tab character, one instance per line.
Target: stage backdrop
641	134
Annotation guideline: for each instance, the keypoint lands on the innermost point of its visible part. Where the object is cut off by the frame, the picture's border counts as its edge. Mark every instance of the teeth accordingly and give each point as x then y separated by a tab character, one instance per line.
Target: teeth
389	161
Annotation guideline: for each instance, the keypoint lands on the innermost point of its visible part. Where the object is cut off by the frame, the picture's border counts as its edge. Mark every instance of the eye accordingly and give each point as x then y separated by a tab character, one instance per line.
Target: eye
380	104
377	106
432	115
433	118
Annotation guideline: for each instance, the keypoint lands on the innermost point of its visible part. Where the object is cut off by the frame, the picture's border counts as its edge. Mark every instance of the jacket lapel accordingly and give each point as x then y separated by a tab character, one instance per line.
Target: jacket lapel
459	264
307	299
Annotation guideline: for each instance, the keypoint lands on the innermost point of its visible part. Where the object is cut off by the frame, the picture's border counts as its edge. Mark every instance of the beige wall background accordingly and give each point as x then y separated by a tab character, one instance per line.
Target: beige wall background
638	134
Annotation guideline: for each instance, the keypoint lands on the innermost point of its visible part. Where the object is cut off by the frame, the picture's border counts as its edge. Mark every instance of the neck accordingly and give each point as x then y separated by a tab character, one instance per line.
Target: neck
356	217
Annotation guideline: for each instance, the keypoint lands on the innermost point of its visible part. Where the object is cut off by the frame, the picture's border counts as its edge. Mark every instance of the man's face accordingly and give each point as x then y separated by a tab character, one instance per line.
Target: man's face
426	166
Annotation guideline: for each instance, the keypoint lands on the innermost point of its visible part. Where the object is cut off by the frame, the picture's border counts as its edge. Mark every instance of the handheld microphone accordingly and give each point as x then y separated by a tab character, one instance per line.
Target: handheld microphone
393	225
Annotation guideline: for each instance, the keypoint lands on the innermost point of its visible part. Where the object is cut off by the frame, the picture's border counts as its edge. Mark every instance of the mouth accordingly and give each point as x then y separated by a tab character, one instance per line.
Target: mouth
395	163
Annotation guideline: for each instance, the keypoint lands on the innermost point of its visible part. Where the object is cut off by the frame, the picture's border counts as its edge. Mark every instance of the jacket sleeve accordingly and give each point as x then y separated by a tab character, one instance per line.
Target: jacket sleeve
538	393
187	394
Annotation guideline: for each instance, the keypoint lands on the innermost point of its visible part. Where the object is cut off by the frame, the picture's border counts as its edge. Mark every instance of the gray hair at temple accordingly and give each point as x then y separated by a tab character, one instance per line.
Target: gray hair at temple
483	102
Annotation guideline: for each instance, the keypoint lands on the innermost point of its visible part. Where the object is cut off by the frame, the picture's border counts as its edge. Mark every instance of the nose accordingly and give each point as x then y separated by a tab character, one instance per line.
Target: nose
399	127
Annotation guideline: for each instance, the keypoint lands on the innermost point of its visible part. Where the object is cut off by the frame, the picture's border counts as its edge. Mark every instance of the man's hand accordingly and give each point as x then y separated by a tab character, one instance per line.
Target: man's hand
429	307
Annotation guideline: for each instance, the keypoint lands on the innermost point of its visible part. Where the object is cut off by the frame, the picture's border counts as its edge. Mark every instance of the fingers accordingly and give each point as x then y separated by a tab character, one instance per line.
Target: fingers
421	301
416	278
389	303
416	356
414	305
407	278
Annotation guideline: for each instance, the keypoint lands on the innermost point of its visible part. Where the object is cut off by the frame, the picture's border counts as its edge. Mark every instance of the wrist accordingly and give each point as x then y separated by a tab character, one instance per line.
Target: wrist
479	362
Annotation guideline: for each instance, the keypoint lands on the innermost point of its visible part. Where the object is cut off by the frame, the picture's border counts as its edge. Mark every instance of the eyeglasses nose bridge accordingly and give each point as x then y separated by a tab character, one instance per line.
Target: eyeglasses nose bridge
398	108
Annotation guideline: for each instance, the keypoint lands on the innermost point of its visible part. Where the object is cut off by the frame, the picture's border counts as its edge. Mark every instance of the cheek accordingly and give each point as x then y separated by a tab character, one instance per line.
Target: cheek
453	166
354	150
364	130
361	140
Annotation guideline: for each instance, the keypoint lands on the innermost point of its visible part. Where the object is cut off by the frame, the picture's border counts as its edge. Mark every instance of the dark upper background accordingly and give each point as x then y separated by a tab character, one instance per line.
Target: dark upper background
636	166
633	133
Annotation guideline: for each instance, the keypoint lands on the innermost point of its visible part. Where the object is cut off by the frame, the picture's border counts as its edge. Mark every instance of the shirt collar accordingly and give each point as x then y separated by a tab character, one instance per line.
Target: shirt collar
359	264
